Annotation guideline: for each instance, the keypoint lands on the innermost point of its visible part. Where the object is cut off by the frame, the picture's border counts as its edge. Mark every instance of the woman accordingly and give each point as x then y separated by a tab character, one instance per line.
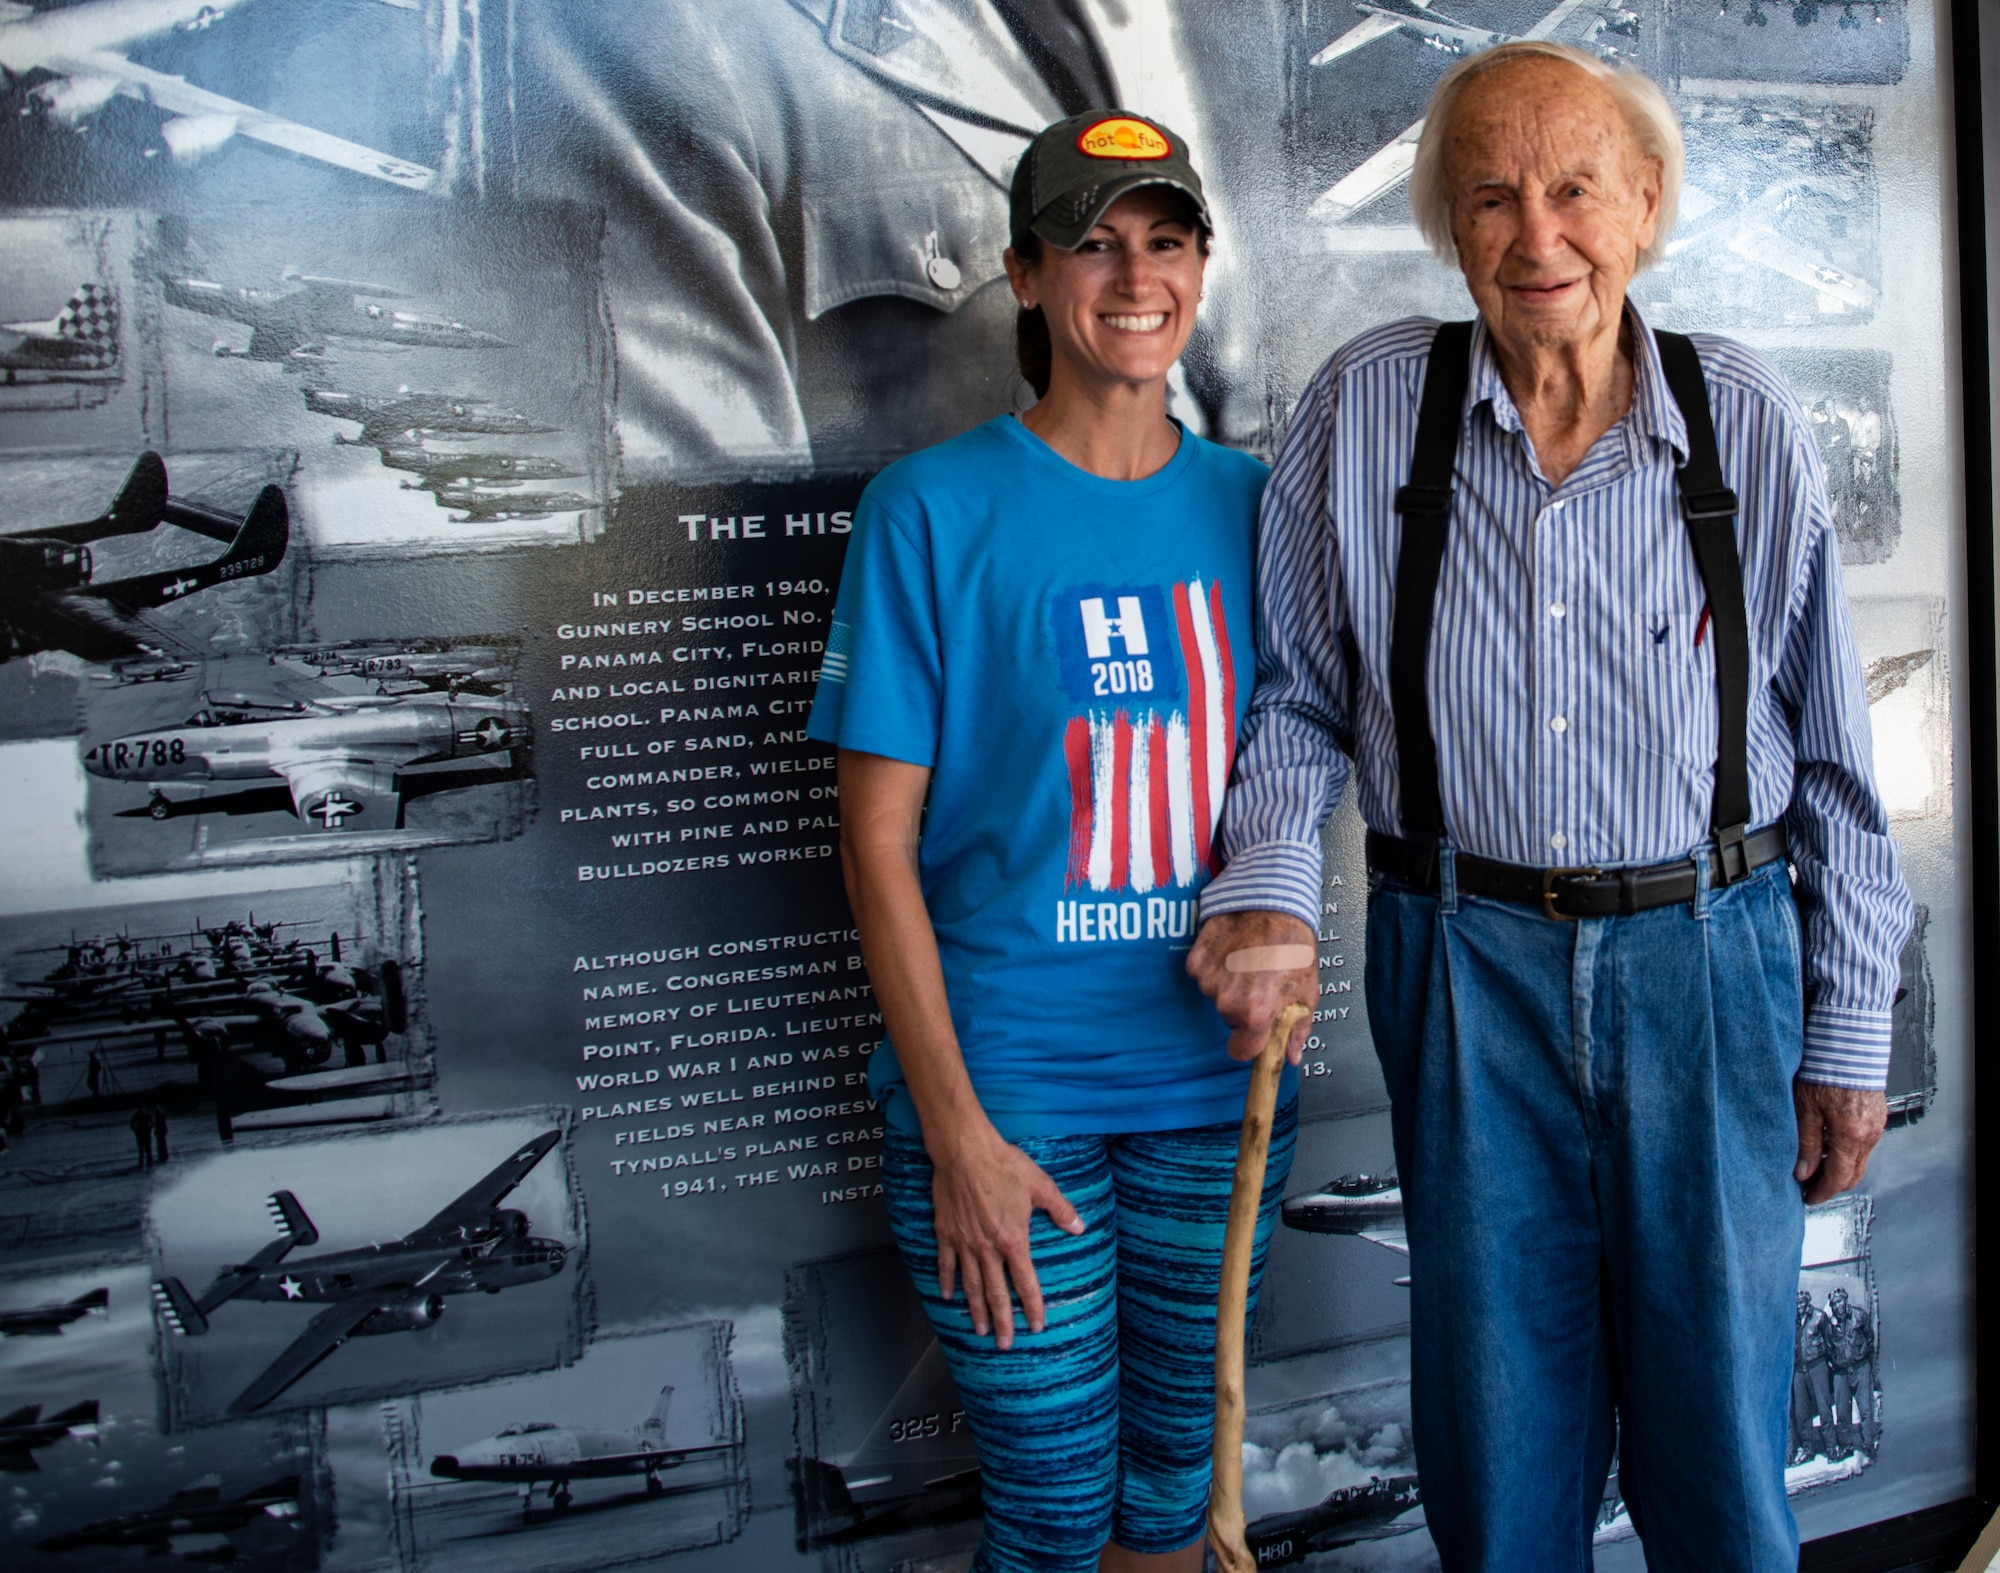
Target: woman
1039	658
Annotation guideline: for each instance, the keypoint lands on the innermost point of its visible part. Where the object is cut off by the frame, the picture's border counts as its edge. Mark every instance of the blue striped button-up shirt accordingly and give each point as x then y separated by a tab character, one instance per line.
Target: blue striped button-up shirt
1571	673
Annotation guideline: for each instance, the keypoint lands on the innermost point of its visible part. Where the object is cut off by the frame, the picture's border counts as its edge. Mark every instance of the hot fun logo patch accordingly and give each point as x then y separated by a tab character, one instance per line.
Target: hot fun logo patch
1122	137
1148	753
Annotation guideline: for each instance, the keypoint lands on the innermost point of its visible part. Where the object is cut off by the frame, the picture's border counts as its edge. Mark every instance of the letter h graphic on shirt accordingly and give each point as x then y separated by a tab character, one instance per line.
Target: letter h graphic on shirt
1148	753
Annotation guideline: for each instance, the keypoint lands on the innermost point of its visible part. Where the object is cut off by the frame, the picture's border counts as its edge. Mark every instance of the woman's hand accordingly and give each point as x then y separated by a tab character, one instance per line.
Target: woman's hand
984	1191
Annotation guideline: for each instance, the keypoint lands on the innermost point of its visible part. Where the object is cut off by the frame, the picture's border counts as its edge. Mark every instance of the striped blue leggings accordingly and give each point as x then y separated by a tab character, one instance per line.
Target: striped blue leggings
1100	1427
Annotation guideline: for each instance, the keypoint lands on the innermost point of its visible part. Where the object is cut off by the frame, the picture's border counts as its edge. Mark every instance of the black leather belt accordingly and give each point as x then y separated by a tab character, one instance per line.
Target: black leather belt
1572	893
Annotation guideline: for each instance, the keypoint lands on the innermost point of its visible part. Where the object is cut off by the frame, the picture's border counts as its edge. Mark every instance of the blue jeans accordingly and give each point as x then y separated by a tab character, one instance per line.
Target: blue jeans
1594	1127
1101	1426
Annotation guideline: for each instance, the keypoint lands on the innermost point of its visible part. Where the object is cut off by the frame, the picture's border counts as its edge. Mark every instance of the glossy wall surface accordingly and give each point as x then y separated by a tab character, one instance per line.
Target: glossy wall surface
434	1046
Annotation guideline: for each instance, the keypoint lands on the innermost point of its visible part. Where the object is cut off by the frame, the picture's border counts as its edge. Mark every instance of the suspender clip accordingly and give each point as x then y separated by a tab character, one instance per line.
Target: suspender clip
1709	505
1424	500
1732	858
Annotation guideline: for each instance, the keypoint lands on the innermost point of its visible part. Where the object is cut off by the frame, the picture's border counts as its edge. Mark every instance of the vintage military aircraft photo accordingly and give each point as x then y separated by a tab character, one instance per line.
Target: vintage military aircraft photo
918	1459
480	506
400	1285
78	344
296	317
50	598
536	1451
437	469
1367	1206
1775	226
183	1027
1347	1516
194	1523
413	665
403	417
342	759
79	57
48	1321
23	1431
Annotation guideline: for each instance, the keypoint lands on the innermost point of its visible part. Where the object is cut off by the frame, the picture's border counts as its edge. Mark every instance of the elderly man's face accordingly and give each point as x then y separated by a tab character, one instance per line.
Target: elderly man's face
1552	201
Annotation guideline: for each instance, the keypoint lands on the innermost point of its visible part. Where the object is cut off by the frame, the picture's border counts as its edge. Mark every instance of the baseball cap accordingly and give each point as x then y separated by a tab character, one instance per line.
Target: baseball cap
1077	168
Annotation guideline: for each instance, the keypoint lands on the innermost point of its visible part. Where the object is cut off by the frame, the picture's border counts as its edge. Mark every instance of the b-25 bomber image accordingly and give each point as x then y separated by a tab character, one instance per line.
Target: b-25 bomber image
538	1451
397	1286
341	757
298	316
50	599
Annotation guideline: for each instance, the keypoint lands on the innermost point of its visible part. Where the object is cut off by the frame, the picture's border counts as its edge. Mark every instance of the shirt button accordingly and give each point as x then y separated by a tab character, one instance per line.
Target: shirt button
1559	841
1558	725
1557	609
943	272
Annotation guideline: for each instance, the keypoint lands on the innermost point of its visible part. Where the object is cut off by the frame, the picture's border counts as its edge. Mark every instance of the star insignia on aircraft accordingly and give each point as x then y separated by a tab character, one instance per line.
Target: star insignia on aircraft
291	1288
332	809
181	587
491	733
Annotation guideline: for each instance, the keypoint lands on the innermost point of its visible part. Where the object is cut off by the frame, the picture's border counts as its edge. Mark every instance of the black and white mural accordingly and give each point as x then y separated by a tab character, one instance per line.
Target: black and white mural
429	433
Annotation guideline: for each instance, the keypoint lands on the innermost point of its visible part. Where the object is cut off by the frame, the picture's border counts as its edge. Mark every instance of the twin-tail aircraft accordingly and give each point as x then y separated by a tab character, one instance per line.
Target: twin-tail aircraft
49	599
394	1287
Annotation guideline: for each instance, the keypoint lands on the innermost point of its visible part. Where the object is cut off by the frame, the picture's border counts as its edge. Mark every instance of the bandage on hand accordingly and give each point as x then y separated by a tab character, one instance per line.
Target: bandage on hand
1270	958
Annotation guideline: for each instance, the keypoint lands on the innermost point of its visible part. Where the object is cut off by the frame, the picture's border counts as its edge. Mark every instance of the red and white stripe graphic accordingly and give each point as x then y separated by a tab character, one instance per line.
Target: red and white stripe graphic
1146	787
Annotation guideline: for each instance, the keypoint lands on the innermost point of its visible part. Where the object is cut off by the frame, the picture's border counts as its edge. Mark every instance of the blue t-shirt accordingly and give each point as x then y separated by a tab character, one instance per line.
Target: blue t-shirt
1071	656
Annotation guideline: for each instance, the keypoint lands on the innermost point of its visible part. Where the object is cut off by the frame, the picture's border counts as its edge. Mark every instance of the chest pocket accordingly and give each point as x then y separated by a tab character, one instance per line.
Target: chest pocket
1676	676
924	237
1679	637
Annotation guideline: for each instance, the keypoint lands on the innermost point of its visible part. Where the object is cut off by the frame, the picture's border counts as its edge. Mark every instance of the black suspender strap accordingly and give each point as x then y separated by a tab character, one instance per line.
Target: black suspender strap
1710	509
1707	504
1425	506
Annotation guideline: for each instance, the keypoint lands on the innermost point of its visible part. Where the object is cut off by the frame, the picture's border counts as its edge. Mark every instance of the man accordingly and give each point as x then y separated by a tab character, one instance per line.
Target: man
142	1134
1587	733
1851	1354
806	202
1812	1402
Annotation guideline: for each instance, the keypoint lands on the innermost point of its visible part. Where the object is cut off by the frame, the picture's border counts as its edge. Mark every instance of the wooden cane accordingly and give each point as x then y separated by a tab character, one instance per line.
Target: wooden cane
1225	1491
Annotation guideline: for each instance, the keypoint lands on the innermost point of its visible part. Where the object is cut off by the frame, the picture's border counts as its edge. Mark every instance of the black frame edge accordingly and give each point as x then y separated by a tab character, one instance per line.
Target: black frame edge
1975	170
1937	1538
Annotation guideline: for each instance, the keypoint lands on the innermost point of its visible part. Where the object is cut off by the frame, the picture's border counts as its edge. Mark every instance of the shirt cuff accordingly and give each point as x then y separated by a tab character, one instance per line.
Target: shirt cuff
1847	1048
1276	876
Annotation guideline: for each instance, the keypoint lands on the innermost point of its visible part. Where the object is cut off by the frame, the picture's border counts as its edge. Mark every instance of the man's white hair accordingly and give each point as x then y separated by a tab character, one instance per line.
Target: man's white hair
1652	121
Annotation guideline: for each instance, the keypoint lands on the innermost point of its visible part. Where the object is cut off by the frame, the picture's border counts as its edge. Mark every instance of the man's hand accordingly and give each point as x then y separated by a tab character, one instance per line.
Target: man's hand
1838	1129
1250	1001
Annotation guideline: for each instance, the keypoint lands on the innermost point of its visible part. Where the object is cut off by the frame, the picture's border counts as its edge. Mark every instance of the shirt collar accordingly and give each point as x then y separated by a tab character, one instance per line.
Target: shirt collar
1654	412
